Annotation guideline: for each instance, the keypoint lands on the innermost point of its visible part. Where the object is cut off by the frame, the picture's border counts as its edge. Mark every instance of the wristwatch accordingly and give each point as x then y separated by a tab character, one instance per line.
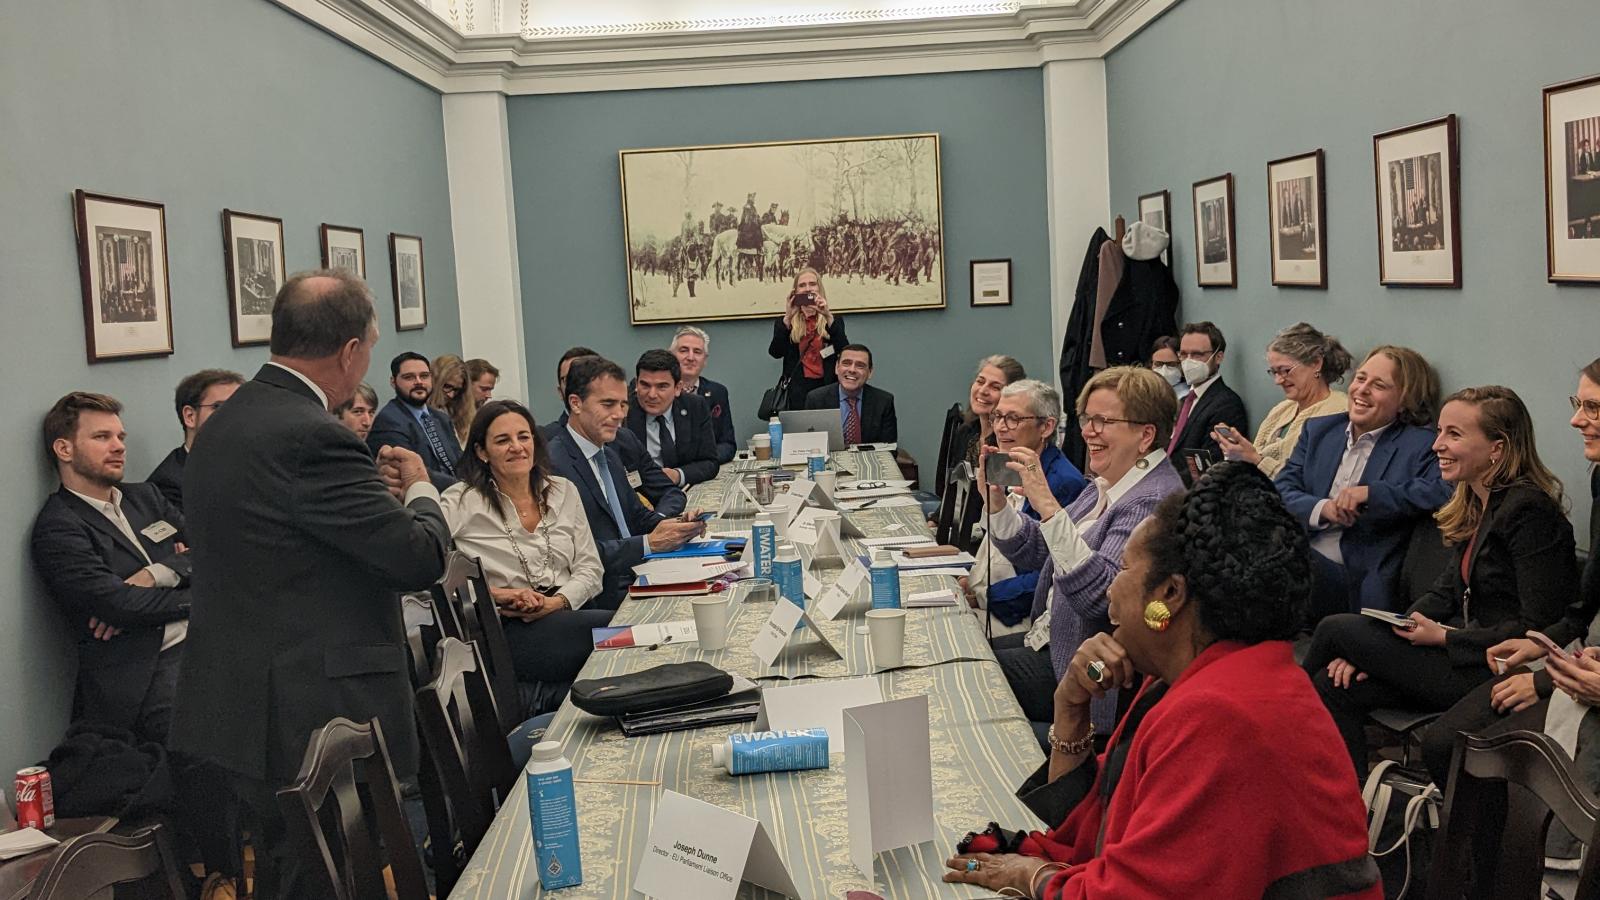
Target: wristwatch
1070	748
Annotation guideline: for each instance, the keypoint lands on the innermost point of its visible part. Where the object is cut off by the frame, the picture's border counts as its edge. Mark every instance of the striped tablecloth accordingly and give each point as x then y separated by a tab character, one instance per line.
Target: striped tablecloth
982	748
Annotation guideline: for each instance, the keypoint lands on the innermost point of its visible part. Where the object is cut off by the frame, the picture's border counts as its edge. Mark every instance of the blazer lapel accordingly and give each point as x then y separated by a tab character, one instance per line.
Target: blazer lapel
1197	414
585	474
1382	453
682	426
98	521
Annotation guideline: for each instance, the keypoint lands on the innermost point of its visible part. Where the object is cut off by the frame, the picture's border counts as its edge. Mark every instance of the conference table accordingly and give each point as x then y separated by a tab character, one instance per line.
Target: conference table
981	745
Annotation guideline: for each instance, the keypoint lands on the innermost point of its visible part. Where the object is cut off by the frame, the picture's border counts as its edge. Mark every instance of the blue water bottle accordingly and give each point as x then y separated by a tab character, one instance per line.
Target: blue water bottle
765	537
553	810
786	572
816	463
775	435
885	577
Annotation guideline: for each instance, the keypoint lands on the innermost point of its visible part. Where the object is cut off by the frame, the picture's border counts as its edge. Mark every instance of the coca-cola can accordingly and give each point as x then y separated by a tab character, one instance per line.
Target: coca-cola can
36	802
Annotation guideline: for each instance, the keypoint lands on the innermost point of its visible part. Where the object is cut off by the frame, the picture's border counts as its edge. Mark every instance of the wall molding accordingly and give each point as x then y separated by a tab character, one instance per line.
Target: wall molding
409	37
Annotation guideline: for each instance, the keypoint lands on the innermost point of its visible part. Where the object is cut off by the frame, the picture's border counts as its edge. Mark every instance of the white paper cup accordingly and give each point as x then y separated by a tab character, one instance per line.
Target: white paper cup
711	621
777	514
886	635
827	479
827	522
761	446
759	590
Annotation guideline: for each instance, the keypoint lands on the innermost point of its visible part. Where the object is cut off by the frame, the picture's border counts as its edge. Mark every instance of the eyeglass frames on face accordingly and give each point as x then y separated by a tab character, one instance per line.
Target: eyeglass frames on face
1097	424
1010	421
1281	372
213	406
1589	408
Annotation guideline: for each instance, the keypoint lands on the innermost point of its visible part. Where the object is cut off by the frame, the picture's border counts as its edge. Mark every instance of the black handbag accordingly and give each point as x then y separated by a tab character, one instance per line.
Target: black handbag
663	687
776	398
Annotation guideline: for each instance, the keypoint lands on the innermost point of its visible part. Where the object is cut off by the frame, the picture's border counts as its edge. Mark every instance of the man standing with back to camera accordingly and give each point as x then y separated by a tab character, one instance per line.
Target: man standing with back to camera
300	548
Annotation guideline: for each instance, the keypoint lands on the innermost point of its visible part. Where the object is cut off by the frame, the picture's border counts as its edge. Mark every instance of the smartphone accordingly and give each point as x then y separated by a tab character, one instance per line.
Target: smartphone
806	299
1550	647
996	473
1226	432
703	517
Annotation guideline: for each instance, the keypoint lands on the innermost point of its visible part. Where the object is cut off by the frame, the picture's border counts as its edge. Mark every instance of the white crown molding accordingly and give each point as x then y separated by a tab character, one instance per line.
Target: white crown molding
409	37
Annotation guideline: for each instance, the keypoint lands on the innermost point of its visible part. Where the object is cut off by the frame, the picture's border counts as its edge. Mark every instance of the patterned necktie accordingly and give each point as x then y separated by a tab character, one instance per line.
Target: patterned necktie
852	420
432	431
669	453
609	490
1183	419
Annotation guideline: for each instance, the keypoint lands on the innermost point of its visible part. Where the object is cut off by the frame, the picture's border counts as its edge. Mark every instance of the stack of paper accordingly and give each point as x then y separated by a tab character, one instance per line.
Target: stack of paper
929	599
617	637
932	562
24	841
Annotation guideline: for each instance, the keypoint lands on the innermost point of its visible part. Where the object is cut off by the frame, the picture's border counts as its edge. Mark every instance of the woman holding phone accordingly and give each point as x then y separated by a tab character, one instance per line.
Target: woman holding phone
1512	569
809	337
1305	364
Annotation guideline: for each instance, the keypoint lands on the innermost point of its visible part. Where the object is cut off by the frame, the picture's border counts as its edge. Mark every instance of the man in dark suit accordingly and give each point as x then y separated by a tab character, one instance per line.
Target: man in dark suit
111	558
866	412
692	347
300	549
675	427
624	530
1209	402
198	396
407	421
644	475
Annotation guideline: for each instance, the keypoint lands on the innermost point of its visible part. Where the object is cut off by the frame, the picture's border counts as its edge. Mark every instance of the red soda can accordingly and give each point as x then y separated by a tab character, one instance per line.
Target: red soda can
36	802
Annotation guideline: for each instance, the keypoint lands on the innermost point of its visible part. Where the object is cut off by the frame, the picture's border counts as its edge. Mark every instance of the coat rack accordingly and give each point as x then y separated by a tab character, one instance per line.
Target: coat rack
1121	227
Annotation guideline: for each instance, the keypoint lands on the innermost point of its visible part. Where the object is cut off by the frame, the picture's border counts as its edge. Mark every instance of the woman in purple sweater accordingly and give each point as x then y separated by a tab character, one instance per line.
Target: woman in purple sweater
1126	415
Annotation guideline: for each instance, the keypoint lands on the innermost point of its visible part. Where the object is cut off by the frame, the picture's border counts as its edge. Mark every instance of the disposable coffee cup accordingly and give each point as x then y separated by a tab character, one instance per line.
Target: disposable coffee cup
776	514
761	446
886	635
711	621
827	479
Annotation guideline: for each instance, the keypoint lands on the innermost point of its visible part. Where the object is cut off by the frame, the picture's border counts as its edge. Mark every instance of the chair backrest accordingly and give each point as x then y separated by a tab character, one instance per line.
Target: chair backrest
952	424
423	633
348	763
1426	556
466	747
90	863
1508	857
958	512
480	619
452	593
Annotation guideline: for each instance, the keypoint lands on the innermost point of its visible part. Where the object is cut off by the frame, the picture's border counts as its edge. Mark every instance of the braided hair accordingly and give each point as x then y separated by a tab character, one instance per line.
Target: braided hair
1244	557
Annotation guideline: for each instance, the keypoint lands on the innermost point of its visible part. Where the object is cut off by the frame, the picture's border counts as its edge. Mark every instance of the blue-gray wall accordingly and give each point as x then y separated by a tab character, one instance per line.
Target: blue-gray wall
227	103
991	139
1224	85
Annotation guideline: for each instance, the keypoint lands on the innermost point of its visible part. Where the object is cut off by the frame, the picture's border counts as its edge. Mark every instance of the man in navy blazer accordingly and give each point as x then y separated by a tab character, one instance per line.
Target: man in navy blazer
111	557
407	421
692	347
1358	564
624	530
875	421
675	428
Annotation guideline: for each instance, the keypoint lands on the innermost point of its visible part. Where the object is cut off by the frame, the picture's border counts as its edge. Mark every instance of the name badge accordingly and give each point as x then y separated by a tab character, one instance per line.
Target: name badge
158	531
827	350
634	479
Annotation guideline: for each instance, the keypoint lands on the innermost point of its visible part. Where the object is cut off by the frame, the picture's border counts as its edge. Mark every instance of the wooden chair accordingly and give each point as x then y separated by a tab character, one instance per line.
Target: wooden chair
452	593
480	620
947	437
1508	856
91	863
364	818
468	751
423	633
959	511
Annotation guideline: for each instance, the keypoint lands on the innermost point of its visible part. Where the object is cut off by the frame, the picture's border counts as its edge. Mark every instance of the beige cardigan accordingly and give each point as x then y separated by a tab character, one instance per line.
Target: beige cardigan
1280	430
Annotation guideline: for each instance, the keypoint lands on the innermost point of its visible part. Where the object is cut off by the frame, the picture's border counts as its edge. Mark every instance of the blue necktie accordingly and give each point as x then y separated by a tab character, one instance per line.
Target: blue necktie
610	492
432	432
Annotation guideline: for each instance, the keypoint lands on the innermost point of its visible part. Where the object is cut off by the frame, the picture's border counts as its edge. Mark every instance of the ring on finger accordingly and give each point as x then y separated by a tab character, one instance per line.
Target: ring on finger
1097	672
973	865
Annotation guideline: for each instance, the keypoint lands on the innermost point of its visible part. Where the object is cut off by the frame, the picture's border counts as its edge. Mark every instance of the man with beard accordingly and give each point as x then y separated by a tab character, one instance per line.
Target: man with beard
111	556
406	421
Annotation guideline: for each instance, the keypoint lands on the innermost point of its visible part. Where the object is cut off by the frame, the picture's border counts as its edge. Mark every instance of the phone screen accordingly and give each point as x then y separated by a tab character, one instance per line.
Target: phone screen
996	473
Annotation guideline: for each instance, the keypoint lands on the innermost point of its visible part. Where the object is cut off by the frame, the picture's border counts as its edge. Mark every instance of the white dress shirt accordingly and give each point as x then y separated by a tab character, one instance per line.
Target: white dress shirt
172	633
1357	450
591	452
560	551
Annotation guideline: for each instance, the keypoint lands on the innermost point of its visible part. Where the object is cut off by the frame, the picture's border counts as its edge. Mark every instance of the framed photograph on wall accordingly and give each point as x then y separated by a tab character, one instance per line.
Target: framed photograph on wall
122	262
1214	257
718	232
1156	210
991	282
1572	180
1295	215
252	257
1417	171
344	248
410	288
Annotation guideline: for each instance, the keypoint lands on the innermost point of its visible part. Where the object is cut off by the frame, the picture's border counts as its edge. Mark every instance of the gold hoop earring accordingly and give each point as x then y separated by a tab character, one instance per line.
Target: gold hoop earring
1157	617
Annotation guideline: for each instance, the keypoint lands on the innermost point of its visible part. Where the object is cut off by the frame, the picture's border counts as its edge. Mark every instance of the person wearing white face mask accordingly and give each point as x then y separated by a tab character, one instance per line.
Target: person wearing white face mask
1164	362
1210	402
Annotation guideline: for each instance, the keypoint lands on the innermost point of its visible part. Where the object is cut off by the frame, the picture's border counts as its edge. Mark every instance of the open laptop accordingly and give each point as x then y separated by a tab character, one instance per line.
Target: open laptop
803	420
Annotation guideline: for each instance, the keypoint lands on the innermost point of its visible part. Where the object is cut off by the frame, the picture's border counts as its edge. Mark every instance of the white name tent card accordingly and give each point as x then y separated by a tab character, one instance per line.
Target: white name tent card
737	500
780	626
799	447
888	773
818	704
835	597
698	851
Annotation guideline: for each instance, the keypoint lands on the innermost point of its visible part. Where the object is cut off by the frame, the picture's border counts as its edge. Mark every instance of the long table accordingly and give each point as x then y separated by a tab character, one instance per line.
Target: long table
982	747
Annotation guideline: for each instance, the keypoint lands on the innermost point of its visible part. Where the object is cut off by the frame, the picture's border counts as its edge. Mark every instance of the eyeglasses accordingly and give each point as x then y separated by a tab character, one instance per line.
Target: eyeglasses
1589	408
1010	421
1097	424
1281	371
451	390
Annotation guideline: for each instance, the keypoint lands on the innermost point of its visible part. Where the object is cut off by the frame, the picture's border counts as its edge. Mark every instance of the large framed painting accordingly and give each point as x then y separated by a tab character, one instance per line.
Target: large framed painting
1572	180
1295	215
252	256
122	262
719	232
1417	173
1214	257
410	287
344	248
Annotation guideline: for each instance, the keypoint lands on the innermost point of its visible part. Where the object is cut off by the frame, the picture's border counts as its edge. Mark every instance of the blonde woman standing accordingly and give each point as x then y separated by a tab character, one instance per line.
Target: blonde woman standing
809	337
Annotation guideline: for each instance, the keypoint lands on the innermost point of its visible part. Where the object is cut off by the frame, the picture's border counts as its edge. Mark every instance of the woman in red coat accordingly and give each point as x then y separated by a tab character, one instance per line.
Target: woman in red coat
1235	784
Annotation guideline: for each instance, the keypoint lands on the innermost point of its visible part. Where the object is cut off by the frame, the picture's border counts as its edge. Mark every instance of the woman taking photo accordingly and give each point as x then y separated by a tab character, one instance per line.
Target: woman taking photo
1511	569
527	527
1126	415
451	394
1224	778
1305	363
809	338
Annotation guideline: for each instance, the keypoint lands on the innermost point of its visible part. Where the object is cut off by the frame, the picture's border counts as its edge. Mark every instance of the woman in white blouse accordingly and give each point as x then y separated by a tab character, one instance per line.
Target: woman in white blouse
527	527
